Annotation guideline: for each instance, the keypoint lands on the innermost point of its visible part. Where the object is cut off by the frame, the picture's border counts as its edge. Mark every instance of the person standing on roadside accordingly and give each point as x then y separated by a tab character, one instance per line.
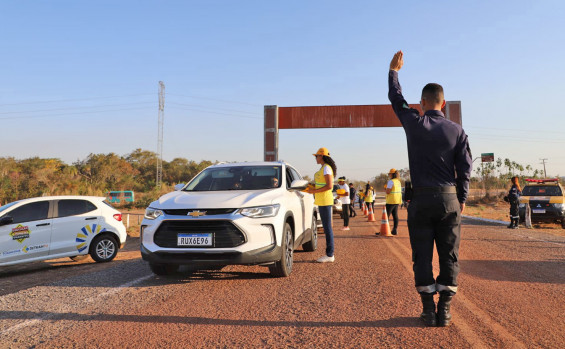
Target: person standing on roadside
393	197
440	168
323	197
352	193
369	197
407	195
345	201
361	197
514	200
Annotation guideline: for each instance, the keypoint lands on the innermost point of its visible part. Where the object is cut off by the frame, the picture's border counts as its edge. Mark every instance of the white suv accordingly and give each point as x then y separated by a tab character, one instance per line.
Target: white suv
60	226
238	213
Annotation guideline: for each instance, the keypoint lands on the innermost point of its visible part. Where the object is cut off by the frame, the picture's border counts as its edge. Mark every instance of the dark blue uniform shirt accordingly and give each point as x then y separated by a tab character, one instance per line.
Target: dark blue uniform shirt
438	149
514	194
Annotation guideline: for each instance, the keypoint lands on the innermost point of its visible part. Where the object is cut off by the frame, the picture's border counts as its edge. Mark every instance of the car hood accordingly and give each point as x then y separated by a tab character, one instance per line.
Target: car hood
216	199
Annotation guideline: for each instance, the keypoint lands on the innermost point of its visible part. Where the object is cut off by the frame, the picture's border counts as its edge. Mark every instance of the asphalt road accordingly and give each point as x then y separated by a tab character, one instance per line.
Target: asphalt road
511	295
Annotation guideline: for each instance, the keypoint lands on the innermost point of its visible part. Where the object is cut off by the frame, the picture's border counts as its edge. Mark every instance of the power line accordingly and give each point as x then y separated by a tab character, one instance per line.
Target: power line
203	106
74	100
215	99
510	129
71	108
64	114
211	112
520	139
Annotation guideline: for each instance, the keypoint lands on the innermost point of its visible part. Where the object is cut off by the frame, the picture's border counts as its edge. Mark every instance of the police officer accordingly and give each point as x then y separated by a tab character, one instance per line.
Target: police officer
514	200
352	192
440	168
393	197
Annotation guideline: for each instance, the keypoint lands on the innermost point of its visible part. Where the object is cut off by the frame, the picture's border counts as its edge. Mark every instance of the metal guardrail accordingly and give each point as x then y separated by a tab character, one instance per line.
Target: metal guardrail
138	216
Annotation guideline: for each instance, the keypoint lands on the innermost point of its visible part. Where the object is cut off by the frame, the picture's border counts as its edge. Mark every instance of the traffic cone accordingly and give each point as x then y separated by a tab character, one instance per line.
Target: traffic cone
365	209
385	227
371	217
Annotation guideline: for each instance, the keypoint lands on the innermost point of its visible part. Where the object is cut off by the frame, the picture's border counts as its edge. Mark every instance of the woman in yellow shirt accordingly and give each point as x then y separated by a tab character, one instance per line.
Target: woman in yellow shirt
369	197
323	197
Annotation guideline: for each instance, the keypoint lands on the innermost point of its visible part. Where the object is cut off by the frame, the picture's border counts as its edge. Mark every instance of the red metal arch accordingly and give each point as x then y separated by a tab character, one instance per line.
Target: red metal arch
337	116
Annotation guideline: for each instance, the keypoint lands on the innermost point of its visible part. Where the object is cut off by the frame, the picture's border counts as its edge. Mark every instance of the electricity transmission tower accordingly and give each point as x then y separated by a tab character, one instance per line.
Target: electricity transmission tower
160	134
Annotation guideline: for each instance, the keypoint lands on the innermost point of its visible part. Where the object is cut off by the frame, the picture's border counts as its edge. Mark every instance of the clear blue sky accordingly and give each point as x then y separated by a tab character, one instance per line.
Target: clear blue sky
81	77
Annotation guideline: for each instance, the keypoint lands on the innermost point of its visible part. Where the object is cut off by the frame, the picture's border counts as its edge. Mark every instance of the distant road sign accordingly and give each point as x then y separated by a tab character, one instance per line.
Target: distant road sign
487	157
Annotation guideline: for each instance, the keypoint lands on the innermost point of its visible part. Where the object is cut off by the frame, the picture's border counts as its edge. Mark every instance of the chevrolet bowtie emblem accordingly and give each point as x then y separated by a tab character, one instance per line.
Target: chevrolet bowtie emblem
197	213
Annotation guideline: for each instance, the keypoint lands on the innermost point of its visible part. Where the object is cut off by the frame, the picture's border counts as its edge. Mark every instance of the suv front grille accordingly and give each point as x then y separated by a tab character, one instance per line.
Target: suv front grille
209	212
225	233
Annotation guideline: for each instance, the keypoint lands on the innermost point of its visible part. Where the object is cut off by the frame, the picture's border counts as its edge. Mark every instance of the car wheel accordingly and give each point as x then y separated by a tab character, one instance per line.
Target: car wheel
283	267
103	248
79	258
312	245
163	269
563	223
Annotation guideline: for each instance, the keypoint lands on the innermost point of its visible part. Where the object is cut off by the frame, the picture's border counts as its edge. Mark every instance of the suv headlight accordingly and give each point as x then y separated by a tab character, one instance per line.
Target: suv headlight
261	211
558	206
152	213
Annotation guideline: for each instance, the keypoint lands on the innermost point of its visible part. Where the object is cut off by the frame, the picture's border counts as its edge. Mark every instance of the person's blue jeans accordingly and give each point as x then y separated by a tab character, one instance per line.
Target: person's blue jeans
326	216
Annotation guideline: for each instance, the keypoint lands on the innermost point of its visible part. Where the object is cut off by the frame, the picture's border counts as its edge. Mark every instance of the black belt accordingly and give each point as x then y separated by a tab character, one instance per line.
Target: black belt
435	190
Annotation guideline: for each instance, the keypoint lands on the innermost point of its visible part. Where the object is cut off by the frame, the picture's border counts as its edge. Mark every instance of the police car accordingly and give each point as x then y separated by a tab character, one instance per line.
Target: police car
546	199
52	227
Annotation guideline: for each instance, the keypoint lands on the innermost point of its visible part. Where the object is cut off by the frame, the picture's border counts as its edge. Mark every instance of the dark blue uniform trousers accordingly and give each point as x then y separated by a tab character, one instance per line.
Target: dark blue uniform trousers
435	218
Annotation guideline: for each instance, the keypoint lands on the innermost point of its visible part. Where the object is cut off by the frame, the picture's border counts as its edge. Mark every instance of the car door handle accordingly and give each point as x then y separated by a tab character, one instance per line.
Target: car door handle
90	218
42	224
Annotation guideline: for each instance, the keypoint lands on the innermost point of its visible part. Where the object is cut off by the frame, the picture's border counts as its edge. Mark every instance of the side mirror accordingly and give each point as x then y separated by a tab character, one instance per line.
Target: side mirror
298	184
179	186
6	220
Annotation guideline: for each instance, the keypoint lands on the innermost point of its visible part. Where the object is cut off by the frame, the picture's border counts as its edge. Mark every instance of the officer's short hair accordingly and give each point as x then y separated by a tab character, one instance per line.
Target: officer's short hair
433	93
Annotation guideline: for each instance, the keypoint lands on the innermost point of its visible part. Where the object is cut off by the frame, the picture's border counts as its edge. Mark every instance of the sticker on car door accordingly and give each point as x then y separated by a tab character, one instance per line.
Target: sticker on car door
86	234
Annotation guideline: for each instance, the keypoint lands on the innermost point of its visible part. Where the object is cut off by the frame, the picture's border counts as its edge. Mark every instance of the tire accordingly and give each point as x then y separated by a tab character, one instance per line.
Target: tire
103	248
312	245
283	267
79	258
563	223
163	269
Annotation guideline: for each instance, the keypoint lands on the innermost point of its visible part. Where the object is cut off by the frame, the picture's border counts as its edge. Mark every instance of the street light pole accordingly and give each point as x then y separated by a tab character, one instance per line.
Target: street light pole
544	173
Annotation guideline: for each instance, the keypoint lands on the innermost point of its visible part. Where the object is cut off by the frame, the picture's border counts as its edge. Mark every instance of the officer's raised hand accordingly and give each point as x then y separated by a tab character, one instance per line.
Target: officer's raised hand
397	61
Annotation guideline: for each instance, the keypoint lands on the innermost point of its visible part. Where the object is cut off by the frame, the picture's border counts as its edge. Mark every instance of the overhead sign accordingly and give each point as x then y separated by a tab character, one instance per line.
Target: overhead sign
487	157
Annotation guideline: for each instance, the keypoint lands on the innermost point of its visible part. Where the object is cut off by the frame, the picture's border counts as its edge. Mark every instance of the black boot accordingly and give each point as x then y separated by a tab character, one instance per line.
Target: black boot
443	305
516	222
511	225
428	315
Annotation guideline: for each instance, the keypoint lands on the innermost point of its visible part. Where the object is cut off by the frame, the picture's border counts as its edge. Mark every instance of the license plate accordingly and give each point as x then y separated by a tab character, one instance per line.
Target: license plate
194	239
538	211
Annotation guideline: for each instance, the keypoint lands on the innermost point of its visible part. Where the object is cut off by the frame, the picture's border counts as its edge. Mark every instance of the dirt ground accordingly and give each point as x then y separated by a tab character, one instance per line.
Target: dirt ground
500	211
511	291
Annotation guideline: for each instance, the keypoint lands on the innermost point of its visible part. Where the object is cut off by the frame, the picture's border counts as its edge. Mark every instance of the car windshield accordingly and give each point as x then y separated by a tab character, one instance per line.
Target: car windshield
2	208
542	190
236	178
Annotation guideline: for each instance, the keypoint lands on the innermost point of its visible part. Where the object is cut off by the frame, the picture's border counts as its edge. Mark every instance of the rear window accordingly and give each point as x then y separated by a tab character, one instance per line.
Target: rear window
74	207
542	190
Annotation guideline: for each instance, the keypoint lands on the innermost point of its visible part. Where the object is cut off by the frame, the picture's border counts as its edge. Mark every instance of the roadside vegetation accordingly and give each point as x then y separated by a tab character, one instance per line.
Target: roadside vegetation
101	173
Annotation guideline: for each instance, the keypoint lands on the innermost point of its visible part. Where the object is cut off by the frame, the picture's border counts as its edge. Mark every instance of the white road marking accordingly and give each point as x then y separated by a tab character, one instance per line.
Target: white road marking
111	291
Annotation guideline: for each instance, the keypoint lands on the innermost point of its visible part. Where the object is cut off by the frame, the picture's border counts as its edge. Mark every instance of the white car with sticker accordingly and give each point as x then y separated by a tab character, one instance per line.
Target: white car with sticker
250	213
60	226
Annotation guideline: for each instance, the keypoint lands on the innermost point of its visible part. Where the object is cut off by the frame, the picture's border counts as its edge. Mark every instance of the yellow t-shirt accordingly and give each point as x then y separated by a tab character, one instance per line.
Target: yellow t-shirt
369	196
325	198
